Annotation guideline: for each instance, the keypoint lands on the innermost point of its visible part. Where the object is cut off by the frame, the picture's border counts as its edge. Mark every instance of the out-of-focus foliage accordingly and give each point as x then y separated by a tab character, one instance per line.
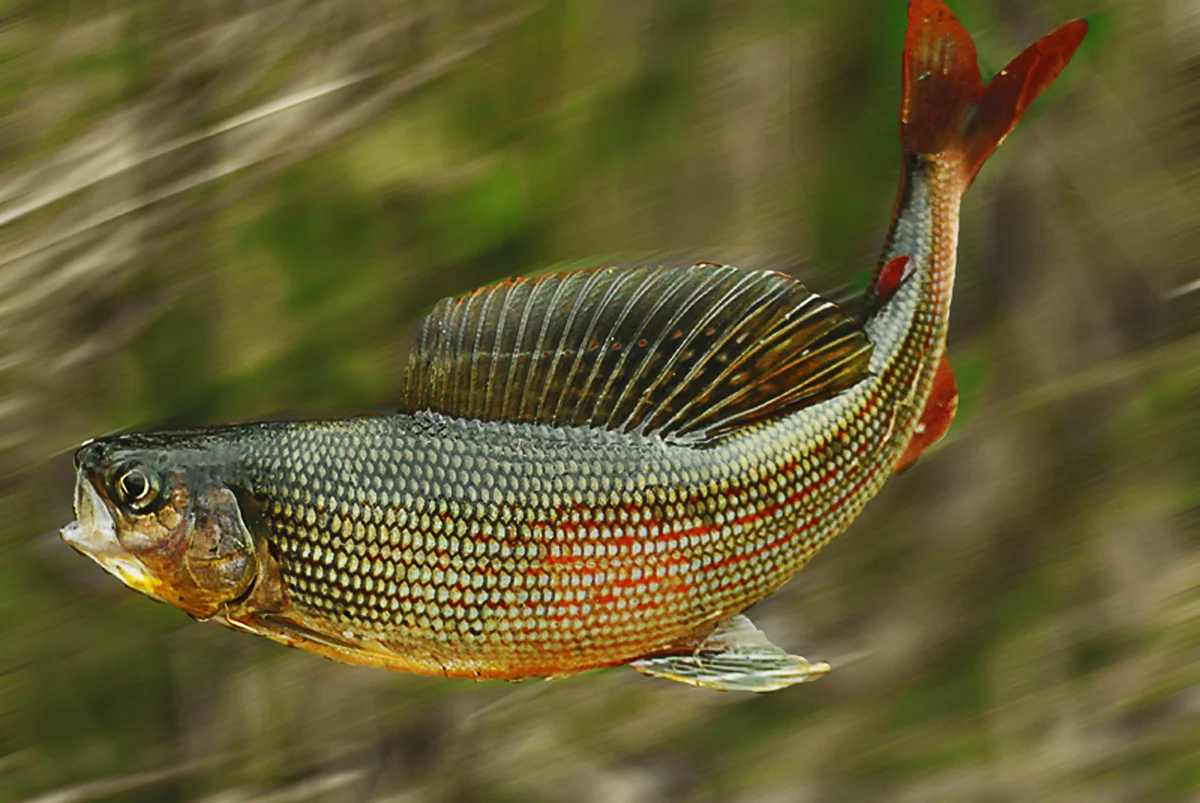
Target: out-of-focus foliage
220	211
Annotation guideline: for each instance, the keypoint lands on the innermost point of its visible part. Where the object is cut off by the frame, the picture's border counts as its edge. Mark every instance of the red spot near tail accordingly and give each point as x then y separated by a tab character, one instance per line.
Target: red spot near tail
890	276
935	418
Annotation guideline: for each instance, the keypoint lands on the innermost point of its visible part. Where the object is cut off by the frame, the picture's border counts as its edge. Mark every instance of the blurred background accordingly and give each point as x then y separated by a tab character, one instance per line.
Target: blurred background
216	212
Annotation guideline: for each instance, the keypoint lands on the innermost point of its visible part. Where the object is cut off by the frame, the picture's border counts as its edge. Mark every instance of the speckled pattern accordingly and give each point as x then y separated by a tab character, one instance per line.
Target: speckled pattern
512	550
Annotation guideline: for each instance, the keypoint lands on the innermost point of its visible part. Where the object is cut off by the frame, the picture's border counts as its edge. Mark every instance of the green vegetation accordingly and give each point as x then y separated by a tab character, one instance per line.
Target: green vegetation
1014	618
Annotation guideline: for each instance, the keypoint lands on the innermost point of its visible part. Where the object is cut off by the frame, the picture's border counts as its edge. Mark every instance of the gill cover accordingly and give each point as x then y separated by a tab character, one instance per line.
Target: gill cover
220	559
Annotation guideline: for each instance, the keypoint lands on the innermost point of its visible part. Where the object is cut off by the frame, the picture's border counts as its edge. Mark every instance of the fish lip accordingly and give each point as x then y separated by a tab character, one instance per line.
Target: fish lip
94	535
73	535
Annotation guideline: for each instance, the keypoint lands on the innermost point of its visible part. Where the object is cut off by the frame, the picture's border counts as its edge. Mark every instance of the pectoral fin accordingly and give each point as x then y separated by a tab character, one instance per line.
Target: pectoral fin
737	656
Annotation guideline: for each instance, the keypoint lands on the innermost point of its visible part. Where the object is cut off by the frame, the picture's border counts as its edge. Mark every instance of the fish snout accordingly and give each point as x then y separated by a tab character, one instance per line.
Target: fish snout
94	535
91	456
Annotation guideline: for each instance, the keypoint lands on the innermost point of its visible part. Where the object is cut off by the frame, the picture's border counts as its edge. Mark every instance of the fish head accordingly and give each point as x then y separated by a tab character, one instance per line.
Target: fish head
160	518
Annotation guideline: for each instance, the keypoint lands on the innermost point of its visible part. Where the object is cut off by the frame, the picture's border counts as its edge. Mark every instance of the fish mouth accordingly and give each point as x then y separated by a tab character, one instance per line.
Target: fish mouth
94	534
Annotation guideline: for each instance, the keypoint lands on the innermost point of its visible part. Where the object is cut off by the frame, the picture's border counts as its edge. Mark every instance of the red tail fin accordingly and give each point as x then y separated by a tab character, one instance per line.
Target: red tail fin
945	106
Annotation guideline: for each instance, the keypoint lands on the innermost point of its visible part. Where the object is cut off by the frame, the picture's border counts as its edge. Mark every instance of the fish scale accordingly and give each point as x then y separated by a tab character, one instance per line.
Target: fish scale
591	468
508	537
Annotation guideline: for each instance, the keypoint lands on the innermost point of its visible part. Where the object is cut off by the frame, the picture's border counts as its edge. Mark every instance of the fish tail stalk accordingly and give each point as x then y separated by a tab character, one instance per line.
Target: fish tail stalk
950	123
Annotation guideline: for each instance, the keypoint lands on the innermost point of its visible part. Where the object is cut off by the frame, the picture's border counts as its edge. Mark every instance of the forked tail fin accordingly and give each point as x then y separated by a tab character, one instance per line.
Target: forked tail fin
946	109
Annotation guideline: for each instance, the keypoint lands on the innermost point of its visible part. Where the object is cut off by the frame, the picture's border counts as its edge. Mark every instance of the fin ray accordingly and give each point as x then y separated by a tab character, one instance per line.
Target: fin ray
681	352
725	303
738	360
945	106
737	656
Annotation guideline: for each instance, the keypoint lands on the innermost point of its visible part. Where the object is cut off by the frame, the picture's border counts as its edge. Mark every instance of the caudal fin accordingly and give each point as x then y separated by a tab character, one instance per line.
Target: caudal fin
946	109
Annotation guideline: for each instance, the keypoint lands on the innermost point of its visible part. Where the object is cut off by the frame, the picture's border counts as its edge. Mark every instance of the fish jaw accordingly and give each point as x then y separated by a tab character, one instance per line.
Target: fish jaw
94	534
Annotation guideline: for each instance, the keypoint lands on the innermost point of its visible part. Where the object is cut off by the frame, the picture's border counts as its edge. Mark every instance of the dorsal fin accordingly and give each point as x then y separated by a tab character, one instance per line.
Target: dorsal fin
680	352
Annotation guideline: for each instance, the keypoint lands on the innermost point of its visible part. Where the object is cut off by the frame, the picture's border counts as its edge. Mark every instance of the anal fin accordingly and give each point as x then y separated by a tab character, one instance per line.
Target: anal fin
935	418
737	656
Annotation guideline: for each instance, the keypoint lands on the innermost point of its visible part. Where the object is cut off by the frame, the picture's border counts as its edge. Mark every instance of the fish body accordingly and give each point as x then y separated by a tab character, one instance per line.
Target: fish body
589	469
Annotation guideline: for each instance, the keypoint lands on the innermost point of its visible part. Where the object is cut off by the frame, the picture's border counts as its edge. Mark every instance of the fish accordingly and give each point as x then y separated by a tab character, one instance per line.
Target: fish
588	469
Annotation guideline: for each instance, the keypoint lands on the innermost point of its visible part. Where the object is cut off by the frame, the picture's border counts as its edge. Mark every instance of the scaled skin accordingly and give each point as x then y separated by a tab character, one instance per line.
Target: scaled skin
435	544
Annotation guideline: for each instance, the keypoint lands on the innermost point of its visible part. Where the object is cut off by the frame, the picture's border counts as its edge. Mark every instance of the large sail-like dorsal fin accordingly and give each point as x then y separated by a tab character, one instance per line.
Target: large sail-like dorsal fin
681	352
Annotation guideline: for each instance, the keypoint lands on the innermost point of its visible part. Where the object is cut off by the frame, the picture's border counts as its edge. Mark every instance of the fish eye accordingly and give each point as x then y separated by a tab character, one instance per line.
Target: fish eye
136	488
